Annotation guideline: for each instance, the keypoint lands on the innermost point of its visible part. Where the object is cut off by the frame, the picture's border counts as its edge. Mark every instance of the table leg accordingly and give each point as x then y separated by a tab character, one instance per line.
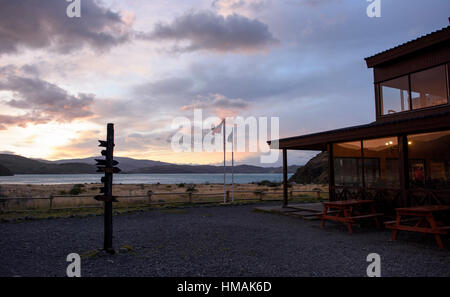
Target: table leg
325	211
347	218
433	226
377	222
397	222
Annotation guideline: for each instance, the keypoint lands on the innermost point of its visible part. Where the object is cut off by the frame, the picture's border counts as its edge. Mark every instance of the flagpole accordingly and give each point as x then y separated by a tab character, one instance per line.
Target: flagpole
224	165
232	166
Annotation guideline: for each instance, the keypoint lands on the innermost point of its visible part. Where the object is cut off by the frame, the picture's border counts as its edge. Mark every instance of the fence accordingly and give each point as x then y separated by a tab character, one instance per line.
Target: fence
68	201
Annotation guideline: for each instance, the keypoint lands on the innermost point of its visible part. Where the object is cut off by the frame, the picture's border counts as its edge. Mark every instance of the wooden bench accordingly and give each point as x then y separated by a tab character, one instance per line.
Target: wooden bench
343	211
425	221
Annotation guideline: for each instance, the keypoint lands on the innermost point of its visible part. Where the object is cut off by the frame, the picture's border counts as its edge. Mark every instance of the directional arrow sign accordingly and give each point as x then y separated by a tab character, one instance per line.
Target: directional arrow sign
109	169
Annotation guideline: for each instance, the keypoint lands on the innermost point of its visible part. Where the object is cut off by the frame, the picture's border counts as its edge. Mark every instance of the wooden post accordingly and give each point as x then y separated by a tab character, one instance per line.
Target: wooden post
285	179
228	196
330	172
149	200
261	193
404	174
51	202
108	208
190	197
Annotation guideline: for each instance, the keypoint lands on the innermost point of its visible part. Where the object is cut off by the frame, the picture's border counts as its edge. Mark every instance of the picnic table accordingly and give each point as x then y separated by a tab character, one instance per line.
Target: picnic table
349	211
424	218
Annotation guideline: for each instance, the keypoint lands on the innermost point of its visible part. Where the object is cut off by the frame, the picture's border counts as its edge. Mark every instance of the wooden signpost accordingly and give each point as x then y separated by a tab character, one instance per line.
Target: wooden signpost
107	166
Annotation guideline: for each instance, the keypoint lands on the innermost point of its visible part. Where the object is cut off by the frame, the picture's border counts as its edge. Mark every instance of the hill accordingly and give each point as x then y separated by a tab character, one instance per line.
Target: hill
5	171
126	164
314	172
21	165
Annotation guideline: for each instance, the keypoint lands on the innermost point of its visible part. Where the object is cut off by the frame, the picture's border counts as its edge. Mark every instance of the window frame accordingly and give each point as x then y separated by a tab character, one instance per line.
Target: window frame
379	99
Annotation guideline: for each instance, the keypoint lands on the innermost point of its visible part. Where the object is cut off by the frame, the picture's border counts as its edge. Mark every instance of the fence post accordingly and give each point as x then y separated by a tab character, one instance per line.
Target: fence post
261	194
190	197
149	200
318	194
291	195
51	202
228	197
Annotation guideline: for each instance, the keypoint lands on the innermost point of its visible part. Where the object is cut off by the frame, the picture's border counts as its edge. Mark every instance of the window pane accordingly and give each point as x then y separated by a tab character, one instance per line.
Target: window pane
429	88
392	173
381	162
372	172
347	172
347	149
395	95
429	160
347	164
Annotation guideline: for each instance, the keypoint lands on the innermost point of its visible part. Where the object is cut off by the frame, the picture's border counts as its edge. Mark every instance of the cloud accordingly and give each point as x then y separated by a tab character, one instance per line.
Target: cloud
206	30
243	7
43	101
22	120
218	104
168	86
44	24
316	3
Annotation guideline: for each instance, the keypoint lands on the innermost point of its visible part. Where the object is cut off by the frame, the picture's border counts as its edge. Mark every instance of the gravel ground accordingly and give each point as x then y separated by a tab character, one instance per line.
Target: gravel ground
214	241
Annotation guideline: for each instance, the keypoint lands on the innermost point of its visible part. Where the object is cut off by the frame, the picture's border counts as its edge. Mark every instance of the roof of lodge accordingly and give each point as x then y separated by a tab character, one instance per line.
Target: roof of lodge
409	47
319	141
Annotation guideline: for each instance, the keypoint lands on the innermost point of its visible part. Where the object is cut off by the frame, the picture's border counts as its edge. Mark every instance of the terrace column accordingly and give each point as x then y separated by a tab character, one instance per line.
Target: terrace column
330	172
285	179
404	174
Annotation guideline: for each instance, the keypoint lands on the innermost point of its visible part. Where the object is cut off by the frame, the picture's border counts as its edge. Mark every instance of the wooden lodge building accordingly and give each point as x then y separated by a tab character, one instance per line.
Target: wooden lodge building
403	158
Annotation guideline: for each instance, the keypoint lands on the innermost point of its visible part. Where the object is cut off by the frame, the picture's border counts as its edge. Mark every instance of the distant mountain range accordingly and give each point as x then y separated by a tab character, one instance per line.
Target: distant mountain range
14	164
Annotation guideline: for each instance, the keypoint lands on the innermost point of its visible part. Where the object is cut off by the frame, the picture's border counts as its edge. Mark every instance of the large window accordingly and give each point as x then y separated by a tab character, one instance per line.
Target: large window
395	95
418	90
381	163
429	160
375	164
347	164
429	88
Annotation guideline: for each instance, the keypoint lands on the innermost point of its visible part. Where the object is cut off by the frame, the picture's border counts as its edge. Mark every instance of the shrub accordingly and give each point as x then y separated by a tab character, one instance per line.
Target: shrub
77	190
191	189
269	183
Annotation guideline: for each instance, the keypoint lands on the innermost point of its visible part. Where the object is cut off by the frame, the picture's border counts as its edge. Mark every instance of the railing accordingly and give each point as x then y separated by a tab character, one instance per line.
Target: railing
387	199
151	199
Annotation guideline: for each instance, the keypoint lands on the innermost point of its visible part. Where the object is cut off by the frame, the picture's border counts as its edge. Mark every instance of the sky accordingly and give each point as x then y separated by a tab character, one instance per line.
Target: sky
141	64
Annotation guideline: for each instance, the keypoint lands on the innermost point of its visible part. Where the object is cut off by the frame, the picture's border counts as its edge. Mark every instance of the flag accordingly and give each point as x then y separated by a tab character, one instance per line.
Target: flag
230	137
218	128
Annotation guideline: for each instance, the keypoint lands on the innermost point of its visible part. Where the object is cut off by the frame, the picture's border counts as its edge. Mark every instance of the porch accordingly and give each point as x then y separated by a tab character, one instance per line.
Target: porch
400	163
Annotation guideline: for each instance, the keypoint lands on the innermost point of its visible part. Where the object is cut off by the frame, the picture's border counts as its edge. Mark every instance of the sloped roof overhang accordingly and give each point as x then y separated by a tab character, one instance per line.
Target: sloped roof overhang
319	141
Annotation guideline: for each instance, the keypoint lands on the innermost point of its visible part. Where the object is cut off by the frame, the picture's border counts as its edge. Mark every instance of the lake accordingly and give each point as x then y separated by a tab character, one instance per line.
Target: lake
52	179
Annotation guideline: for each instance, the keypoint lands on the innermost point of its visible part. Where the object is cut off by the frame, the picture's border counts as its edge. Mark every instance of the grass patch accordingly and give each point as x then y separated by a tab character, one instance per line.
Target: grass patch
170	208
89	254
